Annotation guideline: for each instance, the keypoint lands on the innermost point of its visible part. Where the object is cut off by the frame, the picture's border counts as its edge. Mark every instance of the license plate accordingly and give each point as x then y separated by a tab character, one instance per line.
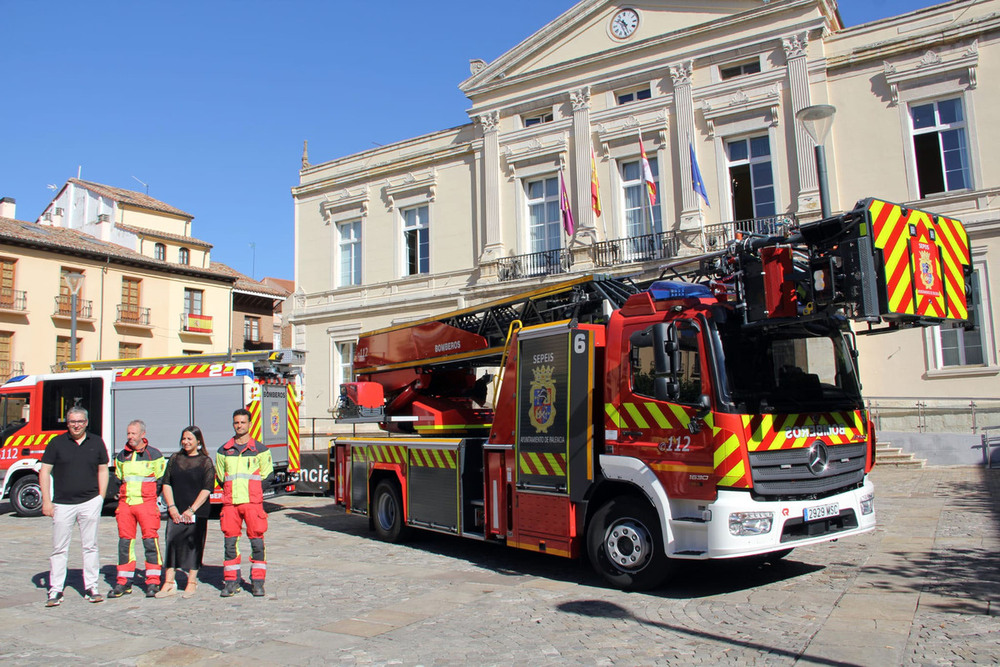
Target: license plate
821	511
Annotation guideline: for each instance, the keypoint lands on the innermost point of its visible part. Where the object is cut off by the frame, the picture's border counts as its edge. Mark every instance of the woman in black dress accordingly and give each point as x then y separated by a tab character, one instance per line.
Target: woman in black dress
187	484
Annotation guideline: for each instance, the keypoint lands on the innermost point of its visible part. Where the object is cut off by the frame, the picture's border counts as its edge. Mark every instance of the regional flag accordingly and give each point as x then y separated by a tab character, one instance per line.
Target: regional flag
567	214
595	186
647	175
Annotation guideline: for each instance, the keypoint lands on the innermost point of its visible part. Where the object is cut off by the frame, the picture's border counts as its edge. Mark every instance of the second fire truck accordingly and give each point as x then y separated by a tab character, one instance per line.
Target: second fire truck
715	415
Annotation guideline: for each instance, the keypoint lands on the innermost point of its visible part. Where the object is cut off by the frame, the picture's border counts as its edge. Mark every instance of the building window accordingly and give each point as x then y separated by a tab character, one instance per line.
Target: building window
544	219
739	69
940	147
160	252
7	283
964	347
129	350
537	118
349	246
6	354
184	256
251	329
416	241
343	366
628	96
130	299
751	178
639	220
192	301
62	349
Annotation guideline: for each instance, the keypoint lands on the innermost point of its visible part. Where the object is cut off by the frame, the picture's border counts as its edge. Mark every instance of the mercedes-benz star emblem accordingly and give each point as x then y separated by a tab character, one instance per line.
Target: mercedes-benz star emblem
819	458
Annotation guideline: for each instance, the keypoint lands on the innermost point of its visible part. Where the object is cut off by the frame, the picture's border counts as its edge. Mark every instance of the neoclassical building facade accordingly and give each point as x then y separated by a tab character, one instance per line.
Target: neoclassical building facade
708	93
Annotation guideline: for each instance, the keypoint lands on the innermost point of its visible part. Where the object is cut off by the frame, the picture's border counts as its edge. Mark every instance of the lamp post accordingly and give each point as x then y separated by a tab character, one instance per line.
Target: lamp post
75	281
816	120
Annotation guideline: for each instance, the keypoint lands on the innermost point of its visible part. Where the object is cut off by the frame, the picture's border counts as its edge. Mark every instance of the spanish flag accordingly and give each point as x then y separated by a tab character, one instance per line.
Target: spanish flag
595	186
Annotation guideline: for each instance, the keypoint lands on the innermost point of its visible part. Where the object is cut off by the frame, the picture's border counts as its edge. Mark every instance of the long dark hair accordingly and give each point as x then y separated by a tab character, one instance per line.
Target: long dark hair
196	432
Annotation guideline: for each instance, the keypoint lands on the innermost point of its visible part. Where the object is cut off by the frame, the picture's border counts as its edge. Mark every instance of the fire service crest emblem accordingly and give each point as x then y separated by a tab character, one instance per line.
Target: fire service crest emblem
543	395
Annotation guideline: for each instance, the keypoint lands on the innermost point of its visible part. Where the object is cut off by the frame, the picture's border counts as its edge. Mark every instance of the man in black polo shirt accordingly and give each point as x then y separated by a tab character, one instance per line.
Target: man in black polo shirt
75	464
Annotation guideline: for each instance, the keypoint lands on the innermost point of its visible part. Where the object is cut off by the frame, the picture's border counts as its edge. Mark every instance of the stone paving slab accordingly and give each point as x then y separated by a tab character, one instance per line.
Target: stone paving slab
922	588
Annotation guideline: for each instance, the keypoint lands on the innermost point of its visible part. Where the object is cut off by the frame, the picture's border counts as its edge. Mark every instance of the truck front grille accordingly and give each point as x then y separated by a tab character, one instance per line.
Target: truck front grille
786	473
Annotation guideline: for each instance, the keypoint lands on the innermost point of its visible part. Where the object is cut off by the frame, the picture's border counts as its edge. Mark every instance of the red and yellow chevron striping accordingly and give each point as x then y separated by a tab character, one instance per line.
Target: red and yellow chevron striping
387	454
729	461
434	458
770	432
535	463
647	415
177	371
293	430
255	425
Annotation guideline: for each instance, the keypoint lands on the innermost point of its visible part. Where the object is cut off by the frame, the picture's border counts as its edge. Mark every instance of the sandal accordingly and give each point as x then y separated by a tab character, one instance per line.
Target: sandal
190	591
169	588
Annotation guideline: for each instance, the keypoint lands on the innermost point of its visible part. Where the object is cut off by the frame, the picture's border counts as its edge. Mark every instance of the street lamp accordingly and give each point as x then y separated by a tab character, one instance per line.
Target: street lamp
75	281
817	121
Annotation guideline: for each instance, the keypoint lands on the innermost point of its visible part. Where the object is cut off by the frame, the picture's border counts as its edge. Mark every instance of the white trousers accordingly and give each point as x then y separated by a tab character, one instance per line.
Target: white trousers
88	516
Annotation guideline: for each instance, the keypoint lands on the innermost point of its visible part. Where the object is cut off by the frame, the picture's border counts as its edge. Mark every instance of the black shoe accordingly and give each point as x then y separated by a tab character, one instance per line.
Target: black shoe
55	599
231	589
152	590
119	590
258	589
93	596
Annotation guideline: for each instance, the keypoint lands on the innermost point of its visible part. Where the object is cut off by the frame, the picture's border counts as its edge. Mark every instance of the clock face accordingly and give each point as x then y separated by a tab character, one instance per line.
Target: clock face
624	23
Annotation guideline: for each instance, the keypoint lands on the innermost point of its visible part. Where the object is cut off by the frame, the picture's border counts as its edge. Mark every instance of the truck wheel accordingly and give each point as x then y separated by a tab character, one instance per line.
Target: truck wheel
387	512
26	496
625	545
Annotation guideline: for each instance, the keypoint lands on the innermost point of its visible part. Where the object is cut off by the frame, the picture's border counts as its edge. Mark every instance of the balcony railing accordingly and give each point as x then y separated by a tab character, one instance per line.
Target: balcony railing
196	323
545	263
133	315
9	369
637	249
64	307
13	299
717	236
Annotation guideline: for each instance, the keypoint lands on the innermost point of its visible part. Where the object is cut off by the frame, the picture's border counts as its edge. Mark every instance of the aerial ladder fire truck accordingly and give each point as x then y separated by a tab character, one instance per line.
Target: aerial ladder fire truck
715	414
168	394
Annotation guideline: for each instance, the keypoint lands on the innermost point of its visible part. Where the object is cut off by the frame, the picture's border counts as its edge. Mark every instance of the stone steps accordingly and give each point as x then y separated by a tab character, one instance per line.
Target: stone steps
887	455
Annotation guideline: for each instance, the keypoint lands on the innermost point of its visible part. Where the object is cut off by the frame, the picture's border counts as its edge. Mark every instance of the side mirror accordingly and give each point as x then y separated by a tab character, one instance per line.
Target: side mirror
666	388
704	407
665	351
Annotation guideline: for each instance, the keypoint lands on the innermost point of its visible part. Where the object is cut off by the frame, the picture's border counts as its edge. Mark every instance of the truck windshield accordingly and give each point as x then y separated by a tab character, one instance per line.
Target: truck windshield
792	369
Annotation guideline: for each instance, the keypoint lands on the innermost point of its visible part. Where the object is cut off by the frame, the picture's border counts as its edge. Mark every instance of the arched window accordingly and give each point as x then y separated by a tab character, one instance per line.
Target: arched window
184	256
160	251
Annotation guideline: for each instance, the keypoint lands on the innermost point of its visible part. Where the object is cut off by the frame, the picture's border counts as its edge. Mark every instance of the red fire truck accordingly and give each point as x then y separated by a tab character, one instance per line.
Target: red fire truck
713	415
167	394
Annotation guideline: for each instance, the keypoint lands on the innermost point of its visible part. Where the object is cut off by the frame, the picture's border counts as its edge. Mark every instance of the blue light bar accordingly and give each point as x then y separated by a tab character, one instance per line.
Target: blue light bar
667	289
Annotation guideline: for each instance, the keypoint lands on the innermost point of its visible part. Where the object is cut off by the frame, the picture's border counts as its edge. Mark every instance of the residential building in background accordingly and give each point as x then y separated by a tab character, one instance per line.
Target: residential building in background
147	288
670	118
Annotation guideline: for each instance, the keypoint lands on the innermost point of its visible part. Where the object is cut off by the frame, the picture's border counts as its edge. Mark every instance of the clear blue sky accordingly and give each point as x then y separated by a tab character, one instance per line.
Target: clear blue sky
208	101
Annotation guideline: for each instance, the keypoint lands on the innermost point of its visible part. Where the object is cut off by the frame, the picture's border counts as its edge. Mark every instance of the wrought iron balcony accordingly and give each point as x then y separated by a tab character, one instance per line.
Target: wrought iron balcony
717	236
637	249
133	315
13	299
64	307
196	323
9	369
545	263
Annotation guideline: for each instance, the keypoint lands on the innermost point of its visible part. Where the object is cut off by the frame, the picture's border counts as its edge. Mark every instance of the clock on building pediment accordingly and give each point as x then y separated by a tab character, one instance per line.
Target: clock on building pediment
624	23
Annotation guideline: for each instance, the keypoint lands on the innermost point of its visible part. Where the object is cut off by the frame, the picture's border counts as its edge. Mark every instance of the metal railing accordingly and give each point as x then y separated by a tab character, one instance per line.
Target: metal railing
64	307
13	299
637	249
9	369
933	415
132	315
545	263
717	236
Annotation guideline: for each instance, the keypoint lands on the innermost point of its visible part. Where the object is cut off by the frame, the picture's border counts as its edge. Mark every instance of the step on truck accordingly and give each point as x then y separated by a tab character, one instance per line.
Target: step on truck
168	394
714	413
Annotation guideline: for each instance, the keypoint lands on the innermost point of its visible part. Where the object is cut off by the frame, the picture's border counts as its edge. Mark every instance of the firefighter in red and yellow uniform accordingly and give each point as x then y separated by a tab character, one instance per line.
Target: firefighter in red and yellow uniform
139	469
243	467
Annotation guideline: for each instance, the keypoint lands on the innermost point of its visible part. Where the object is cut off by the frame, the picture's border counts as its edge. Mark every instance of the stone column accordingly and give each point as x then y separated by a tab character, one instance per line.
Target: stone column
798	85
583	212
493	249
684	108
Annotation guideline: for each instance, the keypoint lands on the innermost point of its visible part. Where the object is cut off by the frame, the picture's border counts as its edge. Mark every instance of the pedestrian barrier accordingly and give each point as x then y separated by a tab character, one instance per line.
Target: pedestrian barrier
990	443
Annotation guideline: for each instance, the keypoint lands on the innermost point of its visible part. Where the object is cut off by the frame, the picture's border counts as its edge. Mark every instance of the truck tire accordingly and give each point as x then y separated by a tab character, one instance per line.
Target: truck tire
625	545
26	496
387	512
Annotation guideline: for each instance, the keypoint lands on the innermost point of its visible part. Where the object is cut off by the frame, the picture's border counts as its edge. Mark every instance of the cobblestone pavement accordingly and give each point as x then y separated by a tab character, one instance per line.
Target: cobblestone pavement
923	588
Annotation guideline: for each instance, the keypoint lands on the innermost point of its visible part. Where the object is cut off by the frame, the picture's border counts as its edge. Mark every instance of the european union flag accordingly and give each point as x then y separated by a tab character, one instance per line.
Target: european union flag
696	181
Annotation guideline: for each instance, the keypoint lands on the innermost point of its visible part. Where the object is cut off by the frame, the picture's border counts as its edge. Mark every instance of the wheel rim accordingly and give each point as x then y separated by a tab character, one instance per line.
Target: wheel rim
628	545
385	512
30	497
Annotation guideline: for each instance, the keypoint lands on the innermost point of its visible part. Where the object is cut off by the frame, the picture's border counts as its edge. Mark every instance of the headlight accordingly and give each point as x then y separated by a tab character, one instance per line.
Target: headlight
750	523
868	503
